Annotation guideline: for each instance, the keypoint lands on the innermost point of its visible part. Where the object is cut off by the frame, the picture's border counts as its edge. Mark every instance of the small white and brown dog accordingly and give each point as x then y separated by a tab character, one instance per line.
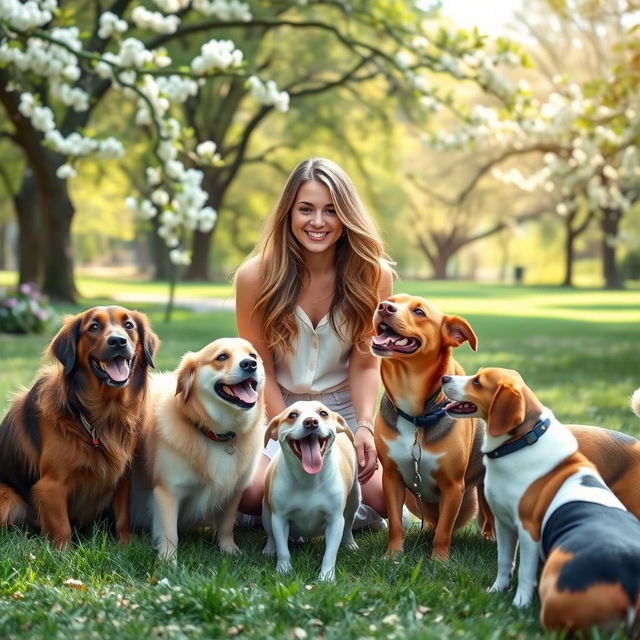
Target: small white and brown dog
549	498
201	445
311	485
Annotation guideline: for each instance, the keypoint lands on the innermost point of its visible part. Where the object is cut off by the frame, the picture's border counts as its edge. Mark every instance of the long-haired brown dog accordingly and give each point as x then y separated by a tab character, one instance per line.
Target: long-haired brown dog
66	443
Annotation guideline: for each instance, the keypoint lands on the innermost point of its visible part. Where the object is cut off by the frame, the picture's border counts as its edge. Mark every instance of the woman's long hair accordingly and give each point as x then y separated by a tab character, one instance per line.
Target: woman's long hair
359	253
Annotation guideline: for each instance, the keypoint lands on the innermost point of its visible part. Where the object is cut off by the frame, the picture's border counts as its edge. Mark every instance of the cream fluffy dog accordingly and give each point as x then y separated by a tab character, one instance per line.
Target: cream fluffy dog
311	486
202	444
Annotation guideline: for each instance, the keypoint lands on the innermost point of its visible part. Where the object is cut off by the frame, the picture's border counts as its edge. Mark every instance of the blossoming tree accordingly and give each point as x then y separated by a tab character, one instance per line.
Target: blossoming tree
60	61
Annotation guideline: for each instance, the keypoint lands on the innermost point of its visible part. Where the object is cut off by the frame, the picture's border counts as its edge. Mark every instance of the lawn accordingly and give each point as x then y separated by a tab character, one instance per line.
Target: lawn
579	350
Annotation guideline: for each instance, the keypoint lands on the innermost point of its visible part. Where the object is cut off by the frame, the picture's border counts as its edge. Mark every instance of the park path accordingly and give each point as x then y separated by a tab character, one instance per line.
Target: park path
195	304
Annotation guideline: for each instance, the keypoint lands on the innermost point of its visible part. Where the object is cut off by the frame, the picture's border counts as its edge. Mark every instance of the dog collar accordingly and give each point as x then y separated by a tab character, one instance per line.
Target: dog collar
529	438
431	415
90	429
218	437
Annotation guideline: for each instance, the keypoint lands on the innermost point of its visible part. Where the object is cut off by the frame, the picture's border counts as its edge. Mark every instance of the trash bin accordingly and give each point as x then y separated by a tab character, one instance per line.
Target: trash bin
518	274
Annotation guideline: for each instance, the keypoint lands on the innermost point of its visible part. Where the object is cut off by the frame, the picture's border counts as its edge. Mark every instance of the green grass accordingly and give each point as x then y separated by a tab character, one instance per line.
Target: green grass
578	349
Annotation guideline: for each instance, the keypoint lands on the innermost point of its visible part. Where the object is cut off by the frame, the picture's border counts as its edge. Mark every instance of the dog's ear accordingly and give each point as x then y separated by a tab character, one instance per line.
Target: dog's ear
506	411
342	426
63	347
148	339
272	430
456	330
186	376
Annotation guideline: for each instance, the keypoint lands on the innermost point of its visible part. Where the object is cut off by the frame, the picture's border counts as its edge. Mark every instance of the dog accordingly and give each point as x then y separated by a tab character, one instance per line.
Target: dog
548	497
635	402
311	484
66	444
201	445
416	442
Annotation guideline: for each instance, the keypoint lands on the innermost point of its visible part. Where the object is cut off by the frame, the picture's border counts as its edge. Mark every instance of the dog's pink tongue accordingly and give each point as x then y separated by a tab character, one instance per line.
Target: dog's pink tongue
245	392
311	456
118	369
385	339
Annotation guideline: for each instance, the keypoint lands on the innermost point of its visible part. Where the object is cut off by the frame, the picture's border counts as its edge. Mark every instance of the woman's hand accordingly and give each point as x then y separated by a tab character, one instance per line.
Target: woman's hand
366	453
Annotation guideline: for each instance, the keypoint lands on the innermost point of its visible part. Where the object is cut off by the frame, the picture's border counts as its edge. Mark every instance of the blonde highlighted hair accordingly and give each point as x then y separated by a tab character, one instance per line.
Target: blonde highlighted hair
358	262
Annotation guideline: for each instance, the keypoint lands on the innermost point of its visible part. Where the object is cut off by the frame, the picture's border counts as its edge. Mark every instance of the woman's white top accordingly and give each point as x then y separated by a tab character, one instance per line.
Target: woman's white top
319	360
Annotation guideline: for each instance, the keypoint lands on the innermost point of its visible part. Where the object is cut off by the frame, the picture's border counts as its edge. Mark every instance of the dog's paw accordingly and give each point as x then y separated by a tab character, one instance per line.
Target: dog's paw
327	576
283	566
230	548
350	544
440	555
269	549
500	584
522	598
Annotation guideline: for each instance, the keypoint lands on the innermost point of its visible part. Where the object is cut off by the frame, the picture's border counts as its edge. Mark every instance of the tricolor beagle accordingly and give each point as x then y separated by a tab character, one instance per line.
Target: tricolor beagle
311	486
549	498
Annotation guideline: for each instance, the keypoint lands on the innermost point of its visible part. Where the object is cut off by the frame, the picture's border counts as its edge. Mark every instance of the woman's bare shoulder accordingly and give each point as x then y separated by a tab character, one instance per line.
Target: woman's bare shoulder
249	273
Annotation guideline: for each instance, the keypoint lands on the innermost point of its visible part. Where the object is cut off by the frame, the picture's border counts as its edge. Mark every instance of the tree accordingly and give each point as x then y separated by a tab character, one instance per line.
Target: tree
62	63
585	133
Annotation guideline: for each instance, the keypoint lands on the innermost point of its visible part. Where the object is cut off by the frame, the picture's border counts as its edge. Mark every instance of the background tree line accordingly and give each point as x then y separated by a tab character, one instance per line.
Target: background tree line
392	93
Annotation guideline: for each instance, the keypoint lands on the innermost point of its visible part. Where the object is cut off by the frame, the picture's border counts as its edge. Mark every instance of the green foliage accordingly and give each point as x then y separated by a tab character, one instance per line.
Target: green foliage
23	309
631	266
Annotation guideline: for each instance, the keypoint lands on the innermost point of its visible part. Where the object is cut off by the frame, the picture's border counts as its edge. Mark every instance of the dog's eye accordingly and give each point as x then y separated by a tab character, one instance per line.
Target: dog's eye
476	382
222	357
419	312
94	326
293	415
128	324
323	413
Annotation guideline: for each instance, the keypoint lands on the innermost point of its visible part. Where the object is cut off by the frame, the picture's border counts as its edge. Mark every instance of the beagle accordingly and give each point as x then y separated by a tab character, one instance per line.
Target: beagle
548	497
311	486
441	467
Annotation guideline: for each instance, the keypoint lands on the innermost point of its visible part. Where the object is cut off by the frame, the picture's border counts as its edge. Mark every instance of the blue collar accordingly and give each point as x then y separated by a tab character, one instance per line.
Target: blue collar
529	438
430	416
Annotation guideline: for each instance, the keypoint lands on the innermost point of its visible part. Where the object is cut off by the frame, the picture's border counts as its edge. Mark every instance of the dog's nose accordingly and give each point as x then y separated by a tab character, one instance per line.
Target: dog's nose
386	308
116	340
248	364
446	379
310	423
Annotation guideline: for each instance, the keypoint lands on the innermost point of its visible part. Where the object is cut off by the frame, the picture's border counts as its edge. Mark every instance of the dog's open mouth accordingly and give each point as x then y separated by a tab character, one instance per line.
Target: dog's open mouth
461	408
114	372
388	340
310	451
243	394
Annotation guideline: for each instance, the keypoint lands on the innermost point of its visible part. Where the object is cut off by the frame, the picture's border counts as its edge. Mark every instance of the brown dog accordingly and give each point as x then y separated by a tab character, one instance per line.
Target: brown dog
67	443
418	446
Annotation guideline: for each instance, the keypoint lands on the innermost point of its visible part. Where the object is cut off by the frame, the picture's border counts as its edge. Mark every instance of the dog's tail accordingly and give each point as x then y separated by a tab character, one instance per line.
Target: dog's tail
635	402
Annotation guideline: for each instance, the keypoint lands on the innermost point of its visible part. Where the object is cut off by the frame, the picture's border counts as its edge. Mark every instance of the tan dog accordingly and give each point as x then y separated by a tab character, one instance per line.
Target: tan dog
67	443
416	442
202	444
549	499
311	486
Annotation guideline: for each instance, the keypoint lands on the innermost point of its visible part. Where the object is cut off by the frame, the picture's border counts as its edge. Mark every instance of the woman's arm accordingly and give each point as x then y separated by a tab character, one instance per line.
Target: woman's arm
250	327
364	382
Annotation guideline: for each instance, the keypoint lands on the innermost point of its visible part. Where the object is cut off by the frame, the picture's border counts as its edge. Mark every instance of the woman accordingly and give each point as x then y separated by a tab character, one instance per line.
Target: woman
305	298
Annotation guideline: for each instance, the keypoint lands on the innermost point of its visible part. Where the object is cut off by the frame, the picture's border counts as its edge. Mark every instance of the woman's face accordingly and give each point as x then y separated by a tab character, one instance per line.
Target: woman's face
314	221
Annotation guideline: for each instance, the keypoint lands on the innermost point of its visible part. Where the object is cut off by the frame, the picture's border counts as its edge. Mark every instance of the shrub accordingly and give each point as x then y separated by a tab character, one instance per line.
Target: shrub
23	309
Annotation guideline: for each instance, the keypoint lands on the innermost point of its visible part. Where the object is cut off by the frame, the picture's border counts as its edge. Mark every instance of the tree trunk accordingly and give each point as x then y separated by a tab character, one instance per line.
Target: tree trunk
199	267
198	270
159	253
30	240
610	227
57	215
569	252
